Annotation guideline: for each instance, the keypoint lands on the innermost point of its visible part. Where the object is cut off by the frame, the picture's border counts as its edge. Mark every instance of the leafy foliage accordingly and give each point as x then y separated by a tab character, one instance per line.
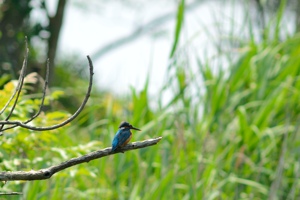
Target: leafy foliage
230	133
237	140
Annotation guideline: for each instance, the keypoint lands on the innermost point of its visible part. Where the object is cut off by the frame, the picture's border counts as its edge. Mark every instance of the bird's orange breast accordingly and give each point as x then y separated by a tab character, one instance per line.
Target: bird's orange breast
126	142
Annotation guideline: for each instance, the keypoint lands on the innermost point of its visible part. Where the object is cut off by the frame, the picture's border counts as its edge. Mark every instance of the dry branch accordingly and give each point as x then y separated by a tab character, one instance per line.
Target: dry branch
19	86
71	118
48	172
42	102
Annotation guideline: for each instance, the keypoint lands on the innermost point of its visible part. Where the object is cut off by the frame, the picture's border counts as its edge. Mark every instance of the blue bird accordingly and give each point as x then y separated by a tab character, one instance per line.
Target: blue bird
123	135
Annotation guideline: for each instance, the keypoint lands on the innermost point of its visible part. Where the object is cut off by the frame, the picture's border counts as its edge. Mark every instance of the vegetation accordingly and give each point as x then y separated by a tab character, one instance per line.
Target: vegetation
230	133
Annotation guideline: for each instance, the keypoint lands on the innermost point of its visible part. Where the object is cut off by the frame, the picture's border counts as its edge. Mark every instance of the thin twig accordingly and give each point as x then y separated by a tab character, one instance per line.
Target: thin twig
88	93
44	94
22	73
18	89
48	172
21	82
42	102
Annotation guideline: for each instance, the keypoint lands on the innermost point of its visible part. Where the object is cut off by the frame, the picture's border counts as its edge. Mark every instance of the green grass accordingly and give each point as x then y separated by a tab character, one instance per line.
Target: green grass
230	134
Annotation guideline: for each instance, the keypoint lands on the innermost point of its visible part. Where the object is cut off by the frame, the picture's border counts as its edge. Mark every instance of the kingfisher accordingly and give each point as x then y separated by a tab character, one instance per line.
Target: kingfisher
123	135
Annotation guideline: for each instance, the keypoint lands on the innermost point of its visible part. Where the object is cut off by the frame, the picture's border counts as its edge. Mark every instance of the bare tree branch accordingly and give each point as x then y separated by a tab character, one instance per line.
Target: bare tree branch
44	93
18	88
48	172
42	102
20	83
71	118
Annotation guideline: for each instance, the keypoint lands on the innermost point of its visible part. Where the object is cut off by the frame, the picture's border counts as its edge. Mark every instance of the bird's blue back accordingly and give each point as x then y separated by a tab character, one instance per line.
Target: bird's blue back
120	138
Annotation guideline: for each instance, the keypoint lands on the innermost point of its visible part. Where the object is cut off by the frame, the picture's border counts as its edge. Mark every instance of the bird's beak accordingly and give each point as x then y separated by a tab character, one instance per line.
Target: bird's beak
135	128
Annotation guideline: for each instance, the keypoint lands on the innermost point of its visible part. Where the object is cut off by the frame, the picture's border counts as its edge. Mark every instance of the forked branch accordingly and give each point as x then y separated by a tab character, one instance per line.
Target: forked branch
13	124
48	172
19	86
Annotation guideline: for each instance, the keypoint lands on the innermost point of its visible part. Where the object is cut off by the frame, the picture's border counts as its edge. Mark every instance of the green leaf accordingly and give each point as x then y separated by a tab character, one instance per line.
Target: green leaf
180	15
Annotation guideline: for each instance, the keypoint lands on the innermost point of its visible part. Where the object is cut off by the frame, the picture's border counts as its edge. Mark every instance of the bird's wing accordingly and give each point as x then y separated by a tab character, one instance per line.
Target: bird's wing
115	141
123	136
119	139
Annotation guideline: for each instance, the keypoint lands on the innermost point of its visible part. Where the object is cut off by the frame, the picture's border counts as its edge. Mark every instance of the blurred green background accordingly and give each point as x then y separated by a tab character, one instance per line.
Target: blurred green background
230	123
